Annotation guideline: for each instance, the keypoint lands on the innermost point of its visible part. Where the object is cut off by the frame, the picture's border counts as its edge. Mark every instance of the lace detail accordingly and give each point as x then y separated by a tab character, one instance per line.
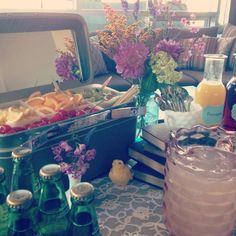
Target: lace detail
133	210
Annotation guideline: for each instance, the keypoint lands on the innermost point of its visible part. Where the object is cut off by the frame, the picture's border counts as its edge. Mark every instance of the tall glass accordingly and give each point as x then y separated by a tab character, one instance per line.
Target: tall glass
200	182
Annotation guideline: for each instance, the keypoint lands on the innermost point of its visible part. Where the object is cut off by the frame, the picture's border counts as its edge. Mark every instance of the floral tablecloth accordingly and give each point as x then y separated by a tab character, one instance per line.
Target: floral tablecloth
133	210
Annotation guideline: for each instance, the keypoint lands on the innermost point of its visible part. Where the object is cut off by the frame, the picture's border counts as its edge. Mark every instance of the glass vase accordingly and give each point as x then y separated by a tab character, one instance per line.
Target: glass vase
151	112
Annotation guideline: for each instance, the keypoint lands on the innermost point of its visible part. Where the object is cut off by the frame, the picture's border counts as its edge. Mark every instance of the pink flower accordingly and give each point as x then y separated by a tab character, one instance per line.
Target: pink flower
84	167
79	149
90	154
193	17
74	162
130	59
64	166
184	21
193	29
64	145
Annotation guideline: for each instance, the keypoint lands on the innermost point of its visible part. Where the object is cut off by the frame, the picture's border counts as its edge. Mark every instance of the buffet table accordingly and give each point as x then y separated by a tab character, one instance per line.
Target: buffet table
133	210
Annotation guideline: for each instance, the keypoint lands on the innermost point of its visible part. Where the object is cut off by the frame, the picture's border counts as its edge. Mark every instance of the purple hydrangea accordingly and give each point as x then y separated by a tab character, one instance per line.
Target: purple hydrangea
67	67
173	48
130	59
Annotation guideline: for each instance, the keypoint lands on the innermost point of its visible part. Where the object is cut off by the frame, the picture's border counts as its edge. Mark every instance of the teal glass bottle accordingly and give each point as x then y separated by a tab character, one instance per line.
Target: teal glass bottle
83	217
23	175
53	205
21	222
3	205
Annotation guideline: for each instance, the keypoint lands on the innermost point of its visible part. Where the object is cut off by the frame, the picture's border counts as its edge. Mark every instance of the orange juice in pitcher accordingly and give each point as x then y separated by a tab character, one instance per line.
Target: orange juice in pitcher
210	93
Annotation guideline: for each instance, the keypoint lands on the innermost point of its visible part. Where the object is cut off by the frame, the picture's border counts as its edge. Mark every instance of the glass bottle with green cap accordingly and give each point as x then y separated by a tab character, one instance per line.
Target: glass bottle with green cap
3	205
83	217
20	221
53	205
23	176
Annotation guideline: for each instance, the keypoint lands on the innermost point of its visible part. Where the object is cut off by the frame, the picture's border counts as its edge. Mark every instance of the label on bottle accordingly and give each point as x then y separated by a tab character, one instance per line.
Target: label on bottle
233	112
212	115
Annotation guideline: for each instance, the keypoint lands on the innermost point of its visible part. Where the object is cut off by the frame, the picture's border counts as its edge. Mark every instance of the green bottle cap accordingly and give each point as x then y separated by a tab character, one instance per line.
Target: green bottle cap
51	171
20	199
2	174
21	152
82	192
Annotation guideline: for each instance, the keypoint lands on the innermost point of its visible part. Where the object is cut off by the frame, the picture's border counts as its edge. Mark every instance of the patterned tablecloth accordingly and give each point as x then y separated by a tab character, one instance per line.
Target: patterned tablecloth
133	210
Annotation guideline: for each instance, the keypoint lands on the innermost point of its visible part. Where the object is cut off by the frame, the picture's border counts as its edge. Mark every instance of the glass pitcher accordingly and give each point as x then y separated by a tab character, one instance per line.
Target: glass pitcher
200	182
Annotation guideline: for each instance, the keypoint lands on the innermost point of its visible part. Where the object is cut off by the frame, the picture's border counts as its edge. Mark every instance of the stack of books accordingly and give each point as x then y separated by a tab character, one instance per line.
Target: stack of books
148	154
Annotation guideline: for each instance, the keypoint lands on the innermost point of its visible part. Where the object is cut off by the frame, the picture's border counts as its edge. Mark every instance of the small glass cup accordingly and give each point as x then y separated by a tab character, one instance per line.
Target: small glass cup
200	182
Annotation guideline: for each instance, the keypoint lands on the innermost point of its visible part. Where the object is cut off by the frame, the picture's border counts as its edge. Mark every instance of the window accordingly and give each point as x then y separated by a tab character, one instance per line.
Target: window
92	10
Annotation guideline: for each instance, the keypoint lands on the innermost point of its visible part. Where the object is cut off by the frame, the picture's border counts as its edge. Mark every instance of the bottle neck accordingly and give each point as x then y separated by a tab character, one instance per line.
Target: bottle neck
23	177
214	70
234	69
20	221
3	192
52	197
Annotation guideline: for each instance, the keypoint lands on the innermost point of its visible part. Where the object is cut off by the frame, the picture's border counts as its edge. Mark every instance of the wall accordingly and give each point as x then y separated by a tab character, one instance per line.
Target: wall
28	59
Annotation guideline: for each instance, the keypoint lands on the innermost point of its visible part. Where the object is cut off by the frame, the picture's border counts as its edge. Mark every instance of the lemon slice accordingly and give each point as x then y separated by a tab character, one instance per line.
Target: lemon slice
3	115
27	112
51	102
35	94
35	101
62	97
45	110
50	94
78	98
13	115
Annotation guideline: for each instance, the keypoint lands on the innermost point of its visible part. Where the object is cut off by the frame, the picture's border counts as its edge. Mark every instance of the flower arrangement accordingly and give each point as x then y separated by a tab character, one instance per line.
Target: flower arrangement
73	161
67	65
144	54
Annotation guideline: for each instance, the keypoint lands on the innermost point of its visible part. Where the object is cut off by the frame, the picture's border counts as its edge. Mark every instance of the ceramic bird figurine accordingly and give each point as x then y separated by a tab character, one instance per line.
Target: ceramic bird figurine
120	173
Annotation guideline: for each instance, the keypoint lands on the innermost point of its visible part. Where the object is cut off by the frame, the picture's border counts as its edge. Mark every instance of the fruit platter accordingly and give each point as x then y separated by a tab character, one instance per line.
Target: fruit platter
43	109
21	119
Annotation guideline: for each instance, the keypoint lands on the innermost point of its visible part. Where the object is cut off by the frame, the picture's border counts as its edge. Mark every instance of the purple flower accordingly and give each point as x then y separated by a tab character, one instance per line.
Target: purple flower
84	167
151	8
65	167
90	154
130	59
67	67
125	5
171	47
74	162
136	9
58	158
79	149
82	157
56	150
64	145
